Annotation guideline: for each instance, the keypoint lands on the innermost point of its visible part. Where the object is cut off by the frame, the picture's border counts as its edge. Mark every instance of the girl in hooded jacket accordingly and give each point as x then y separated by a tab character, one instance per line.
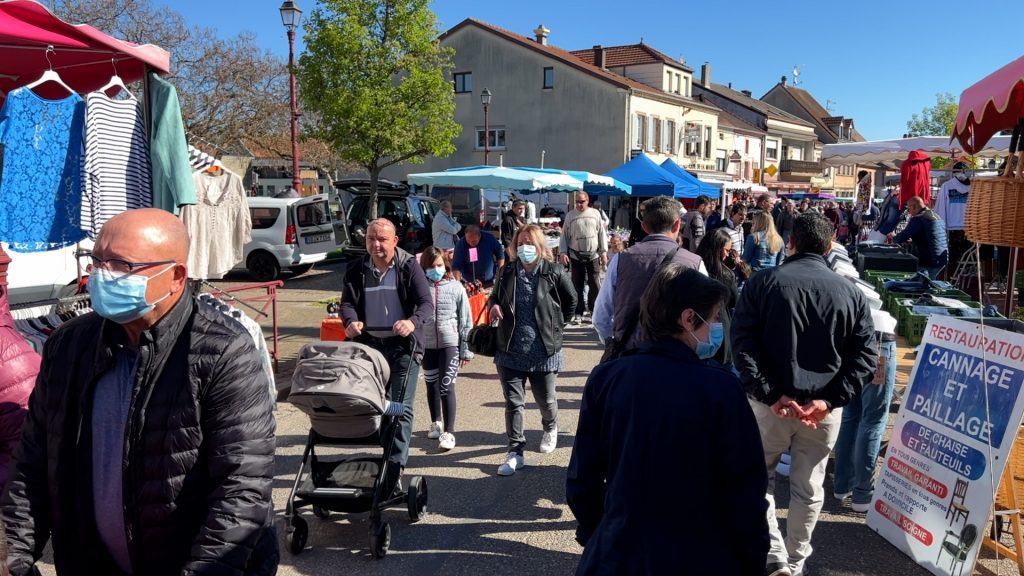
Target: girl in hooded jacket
445	348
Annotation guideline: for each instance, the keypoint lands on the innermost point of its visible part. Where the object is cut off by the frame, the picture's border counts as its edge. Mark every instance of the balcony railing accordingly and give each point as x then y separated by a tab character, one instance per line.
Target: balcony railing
800	167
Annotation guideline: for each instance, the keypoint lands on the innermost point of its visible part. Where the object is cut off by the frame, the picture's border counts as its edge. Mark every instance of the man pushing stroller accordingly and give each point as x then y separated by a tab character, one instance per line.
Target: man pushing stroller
388	288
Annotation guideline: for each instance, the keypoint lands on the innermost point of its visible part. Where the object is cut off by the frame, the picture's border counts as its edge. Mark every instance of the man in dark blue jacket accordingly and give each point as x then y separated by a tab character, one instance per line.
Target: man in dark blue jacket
927	232
637	502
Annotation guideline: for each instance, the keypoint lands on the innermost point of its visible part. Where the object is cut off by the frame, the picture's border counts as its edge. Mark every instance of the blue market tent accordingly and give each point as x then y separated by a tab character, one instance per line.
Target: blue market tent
649	179
592	183
705	188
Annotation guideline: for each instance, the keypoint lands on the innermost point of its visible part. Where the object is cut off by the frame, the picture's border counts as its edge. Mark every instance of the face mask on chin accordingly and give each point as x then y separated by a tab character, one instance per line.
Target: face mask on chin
122	299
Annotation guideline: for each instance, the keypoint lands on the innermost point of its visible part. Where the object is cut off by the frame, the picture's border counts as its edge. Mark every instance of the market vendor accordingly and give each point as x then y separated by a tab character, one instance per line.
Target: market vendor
927	232
477	257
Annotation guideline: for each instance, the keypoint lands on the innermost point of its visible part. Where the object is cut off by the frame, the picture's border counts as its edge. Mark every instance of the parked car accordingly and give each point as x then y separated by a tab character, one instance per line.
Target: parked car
411	214
287	233
34	276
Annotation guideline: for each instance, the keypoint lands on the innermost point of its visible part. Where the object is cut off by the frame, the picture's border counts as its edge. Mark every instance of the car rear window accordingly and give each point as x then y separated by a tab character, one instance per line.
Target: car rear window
315	214
263	218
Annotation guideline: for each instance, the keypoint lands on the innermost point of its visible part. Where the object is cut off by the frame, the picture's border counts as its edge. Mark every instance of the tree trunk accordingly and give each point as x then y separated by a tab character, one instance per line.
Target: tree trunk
374	176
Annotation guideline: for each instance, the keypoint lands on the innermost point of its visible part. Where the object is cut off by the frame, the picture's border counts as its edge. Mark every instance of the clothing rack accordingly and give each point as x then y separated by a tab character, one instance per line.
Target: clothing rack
265	297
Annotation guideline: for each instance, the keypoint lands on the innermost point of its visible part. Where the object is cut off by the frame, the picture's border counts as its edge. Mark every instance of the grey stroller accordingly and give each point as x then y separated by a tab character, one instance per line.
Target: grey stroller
341	386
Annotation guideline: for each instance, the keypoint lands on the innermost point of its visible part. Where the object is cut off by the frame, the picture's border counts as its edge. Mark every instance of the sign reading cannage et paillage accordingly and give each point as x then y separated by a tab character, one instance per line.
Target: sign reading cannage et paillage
933	498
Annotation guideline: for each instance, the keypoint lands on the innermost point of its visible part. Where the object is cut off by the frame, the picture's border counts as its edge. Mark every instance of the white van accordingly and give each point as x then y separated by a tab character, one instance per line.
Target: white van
287	233
34	276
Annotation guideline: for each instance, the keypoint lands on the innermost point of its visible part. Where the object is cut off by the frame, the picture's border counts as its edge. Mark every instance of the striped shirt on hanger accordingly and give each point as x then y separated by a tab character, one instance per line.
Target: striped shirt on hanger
116	171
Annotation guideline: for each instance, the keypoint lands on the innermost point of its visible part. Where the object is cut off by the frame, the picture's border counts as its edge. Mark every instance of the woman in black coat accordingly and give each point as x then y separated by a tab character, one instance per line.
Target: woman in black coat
639	499
533	299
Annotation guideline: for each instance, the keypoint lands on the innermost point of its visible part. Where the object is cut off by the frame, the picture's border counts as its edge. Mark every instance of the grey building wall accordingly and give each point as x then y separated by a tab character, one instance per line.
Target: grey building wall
784	101
581	123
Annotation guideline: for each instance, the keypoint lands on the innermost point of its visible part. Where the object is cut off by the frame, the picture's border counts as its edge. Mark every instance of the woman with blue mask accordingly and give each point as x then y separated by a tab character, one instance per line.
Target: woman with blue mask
637	412
444	346
533	299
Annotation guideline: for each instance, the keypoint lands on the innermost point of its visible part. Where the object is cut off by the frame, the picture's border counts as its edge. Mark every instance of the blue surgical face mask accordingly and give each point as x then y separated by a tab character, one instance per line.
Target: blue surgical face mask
436	274
121	299
527	253
716	335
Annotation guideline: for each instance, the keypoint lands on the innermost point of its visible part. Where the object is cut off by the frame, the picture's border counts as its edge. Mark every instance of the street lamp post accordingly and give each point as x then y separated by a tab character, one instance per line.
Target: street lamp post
290	15
485	99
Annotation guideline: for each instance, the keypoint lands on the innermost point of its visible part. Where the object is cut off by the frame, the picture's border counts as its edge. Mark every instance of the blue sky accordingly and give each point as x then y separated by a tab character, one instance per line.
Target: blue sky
879	62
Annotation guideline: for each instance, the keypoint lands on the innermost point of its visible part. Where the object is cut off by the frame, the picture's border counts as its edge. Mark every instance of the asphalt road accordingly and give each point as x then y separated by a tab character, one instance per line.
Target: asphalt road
479	523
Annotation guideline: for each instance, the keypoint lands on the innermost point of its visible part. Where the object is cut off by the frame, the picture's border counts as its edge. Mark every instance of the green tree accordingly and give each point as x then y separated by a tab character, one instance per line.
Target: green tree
374	74
937	120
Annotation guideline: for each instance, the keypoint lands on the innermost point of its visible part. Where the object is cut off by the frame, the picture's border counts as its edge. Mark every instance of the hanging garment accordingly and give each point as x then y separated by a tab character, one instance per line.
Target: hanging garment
40	194
218	225
951	203
115	175
172	176
915	178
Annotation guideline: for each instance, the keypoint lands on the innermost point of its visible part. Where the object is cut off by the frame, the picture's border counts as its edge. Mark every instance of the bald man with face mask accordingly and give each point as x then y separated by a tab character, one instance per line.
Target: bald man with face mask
149	444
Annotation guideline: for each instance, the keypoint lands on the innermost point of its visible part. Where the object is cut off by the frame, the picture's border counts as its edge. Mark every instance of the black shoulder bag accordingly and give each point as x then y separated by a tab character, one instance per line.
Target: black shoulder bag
615	348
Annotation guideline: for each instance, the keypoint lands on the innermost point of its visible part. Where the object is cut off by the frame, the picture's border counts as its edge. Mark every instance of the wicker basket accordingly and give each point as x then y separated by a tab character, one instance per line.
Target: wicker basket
995	211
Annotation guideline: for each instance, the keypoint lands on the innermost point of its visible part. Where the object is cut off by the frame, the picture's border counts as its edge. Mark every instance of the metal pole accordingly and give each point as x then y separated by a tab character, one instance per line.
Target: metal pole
487	137
296	179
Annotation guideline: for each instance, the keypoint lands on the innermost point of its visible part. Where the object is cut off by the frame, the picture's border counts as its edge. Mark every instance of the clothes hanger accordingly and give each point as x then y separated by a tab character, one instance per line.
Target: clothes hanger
50	75
116	82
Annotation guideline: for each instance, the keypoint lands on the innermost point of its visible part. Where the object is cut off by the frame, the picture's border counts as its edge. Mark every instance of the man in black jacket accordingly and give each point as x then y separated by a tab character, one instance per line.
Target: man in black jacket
510	224
149	444
803	342
385	300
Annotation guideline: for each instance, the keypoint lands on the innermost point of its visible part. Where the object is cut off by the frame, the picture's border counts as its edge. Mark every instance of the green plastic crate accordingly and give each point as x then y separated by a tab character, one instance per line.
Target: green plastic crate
913	329
874	277
891	300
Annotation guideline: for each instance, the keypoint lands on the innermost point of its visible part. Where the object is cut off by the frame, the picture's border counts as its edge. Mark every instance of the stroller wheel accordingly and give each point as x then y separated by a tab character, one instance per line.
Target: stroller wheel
297	535
322	513
380	540
417	498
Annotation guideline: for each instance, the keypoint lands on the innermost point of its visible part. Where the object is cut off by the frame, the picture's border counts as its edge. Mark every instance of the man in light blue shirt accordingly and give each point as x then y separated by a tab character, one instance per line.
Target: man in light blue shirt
445	228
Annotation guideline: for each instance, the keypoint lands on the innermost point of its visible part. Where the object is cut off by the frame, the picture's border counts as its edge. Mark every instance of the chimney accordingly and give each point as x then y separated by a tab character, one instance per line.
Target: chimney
541	33
783	80
705	75
747	93
598	56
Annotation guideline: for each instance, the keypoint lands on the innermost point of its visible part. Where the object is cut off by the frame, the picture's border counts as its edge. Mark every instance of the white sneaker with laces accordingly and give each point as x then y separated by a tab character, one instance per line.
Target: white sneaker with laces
549	441
435	430
447	441
513	462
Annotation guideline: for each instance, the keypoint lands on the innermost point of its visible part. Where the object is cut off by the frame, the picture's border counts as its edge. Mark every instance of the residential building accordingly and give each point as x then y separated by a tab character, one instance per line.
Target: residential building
791	156
829	128
739	151
586	110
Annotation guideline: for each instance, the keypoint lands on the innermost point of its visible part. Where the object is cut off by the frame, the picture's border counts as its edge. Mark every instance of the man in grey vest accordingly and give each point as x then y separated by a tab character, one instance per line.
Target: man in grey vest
618	303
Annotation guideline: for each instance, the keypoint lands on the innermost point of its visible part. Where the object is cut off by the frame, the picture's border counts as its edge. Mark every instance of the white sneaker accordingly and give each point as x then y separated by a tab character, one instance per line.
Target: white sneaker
577	320
513	462
860	508
447	441
549	441
435	430
842	496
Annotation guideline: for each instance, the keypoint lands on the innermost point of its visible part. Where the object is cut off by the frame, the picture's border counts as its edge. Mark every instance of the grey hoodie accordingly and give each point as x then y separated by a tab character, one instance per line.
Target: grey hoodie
450	323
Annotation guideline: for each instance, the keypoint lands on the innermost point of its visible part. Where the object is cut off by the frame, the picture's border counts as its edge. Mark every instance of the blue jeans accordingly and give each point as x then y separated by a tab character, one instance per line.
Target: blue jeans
933	272
401	361
860	434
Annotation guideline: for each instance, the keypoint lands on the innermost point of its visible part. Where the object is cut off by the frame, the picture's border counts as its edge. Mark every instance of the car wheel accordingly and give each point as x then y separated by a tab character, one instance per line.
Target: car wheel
263	266
301	269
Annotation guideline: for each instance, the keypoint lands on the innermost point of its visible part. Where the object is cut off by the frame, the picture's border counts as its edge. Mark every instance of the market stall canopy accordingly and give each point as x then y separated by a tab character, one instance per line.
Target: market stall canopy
994	103
497	178
705	188
592	183
888	151
84	57
649	179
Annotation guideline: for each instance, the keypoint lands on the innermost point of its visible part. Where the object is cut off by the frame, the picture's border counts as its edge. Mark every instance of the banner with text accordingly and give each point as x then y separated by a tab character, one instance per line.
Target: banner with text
933	497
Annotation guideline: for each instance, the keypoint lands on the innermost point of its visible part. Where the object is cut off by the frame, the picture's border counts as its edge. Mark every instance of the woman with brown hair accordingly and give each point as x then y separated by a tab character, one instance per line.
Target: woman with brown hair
763	247
533	299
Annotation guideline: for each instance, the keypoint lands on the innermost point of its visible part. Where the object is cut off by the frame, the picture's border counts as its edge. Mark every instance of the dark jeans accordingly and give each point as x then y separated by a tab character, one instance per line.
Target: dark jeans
585	274
513	385
400	359
440	370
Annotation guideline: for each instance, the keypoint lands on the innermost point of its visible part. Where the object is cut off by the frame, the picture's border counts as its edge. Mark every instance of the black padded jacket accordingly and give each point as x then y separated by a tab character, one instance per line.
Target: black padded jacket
198	459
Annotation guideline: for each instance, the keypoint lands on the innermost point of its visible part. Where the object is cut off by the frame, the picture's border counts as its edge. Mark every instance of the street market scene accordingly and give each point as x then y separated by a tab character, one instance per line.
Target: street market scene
402	287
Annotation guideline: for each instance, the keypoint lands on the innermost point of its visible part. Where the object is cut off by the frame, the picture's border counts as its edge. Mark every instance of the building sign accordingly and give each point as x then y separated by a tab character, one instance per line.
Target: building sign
692	134
945	455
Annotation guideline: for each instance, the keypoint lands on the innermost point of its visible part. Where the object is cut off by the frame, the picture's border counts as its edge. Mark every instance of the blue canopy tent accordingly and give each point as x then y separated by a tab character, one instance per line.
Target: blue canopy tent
704	188
649	179
592	183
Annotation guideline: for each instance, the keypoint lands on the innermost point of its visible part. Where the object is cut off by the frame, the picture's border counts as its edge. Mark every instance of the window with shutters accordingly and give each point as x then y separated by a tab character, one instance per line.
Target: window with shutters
650	134
637	137
657	134
707	142
670	136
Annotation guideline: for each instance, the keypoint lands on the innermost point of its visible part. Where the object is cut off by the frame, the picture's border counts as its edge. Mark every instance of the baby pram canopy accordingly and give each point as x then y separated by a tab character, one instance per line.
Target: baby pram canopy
341	387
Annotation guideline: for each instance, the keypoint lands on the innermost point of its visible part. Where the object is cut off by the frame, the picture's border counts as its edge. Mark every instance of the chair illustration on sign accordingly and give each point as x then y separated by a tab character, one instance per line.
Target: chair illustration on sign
957	509
958	546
